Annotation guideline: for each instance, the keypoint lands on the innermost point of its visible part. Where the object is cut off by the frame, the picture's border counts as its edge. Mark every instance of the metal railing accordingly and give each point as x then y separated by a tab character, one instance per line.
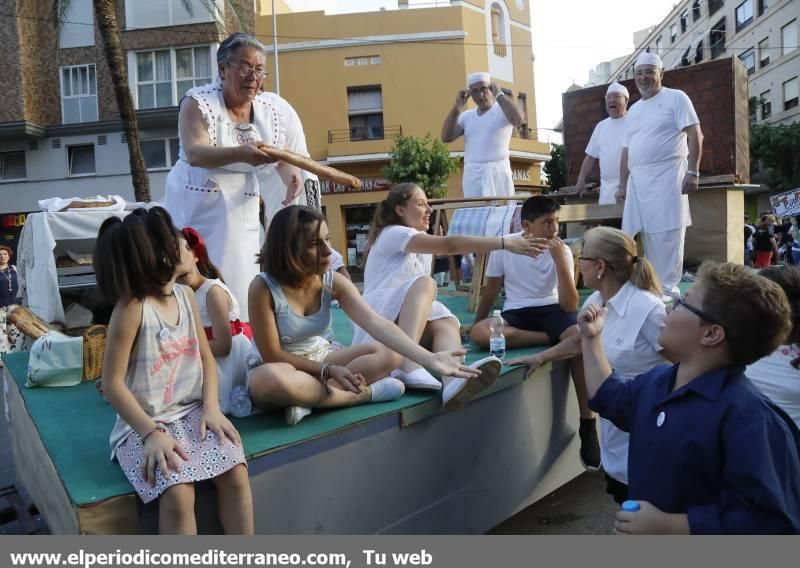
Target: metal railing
360	133
524	133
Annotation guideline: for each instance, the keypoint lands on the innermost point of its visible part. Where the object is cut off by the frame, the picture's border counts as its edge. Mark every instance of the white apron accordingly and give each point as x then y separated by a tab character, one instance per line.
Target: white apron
222	203
653	202
488	179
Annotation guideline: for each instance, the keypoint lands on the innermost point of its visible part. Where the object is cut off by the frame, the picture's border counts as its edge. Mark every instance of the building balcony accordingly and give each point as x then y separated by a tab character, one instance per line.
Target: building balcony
361	141
524	140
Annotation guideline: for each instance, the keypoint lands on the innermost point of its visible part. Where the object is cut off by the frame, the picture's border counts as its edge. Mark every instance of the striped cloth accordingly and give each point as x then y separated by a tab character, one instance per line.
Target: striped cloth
483	221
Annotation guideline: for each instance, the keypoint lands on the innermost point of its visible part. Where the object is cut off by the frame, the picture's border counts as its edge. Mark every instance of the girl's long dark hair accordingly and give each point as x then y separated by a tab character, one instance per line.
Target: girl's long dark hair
136	257
287	238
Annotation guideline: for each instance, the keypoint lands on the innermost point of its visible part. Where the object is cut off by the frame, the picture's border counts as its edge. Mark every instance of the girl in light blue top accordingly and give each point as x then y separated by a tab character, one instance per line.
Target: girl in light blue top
289	308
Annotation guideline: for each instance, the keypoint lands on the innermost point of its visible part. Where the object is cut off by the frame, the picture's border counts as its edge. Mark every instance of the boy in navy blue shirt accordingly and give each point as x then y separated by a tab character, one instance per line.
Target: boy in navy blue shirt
709	454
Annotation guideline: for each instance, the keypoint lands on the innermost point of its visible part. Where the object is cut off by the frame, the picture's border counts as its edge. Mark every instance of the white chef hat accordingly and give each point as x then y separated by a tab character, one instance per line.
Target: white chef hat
648	59
617	88
473	78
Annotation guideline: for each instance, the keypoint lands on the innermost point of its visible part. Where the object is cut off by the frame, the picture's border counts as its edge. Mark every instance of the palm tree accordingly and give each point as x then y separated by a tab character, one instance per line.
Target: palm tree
106	16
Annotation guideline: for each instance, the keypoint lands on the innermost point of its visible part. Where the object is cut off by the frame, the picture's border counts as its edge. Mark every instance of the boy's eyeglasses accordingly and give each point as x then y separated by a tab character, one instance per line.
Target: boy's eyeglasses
678	301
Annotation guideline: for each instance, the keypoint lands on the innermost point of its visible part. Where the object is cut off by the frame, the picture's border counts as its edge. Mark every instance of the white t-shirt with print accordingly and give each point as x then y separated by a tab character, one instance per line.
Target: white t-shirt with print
529	282
486	136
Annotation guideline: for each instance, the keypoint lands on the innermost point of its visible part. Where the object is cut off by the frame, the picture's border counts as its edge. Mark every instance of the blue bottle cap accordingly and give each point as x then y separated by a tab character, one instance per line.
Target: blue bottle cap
630	506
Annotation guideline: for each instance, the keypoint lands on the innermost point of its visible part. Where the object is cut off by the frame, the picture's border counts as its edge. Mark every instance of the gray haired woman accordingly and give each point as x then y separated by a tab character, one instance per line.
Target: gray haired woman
214	186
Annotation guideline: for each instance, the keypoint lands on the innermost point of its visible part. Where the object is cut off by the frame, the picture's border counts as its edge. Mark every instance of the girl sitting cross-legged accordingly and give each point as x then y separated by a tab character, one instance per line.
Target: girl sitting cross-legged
290	315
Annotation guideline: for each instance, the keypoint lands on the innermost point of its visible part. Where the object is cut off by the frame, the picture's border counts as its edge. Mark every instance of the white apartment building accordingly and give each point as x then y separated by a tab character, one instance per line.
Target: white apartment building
763	34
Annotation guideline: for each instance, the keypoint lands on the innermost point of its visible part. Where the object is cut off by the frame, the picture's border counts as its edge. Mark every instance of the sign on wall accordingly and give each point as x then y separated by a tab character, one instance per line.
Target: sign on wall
367	184
786	204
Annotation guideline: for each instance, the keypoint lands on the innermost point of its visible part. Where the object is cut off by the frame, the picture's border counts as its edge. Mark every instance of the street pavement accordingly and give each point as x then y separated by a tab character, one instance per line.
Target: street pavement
582	506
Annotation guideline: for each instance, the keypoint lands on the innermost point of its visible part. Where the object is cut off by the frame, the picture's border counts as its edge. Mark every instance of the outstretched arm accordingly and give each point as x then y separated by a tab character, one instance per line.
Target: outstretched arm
586	167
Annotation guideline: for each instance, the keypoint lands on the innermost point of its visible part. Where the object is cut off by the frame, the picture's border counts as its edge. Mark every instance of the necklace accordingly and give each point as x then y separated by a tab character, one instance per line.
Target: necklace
7	274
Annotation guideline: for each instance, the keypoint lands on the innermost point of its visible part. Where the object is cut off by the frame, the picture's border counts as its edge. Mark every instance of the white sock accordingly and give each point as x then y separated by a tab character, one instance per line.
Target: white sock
386	389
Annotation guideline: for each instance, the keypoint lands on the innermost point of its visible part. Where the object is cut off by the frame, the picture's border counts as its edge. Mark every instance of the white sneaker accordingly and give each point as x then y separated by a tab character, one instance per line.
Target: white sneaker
295	414
419	379
386	389
458	391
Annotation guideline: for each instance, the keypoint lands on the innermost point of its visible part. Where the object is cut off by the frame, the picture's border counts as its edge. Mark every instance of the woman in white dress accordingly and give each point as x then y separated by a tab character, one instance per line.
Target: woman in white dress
397	285
214	186
777	374
628	286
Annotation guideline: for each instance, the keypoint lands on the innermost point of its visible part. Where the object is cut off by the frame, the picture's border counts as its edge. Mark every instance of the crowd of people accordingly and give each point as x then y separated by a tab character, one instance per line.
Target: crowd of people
204	306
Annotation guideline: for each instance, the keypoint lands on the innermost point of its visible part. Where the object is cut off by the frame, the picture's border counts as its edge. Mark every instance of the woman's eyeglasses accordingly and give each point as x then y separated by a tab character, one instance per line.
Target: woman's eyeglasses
245	71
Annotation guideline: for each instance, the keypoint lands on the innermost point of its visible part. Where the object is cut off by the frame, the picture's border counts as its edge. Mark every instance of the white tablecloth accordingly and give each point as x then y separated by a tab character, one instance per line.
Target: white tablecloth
36	264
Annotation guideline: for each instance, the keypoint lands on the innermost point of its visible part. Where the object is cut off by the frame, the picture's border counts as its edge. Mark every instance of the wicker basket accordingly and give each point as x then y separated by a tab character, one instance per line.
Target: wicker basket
94	347
94	339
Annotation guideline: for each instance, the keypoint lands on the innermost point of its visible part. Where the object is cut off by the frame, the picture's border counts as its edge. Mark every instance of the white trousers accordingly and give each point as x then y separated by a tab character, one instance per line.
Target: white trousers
665	251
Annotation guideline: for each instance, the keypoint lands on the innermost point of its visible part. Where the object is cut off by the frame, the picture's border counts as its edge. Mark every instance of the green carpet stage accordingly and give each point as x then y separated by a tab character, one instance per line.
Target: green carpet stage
414	469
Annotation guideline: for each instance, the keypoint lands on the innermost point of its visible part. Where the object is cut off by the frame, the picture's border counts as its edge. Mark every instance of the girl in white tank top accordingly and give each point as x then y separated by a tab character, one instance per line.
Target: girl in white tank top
228	337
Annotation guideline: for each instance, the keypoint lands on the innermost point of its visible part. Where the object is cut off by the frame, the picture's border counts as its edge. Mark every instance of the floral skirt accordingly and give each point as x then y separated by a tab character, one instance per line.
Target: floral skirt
207	458
10	337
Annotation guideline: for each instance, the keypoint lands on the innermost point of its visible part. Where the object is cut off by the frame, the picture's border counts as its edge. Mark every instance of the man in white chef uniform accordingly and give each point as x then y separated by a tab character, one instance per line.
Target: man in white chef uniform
660	164
605	145
487	133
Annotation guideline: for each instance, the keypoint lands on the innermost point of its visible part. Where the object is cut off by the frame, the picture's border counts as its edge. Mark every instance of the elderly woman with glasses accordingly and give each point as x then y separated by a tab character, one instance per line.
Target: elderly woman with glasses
627	285
215	184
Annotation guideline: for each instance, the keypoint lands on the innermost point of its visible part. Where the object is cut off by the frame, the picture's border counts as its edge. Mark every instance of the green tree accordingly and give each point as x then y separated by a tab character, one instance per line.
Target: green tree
556	168
424	161
777	148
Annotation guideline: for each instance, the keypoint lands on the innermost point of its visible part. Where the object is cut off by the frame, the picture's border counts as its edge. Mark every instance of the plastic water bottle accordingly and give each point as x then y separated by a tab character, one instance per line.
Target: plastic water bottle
630	506
241	405
497	341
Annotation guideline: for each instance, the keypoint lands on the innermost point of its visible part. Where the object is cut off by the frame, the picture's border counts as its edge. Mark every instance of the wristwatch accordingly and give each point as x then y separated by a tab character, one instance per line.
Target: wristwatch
693	173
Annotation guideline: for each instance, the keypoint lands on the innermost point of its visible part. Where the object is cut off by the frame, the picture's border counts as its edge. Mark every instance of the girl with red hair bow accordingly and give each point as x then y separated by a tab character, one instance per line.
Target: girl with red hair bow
228	337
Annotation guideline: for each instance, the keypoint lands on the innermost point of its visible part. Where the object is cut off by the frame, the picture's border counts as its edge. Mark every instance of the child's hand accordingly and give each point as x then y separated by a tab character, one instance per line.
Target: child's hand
163	451
450	364
591	320
527	245
650	520
533	362
214	420
345	379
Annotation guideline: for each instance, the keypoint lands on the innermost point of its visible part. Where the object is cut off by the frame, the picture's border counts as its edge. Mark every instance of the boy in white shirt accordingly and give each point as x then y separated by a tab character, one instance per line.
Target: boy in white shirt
541	304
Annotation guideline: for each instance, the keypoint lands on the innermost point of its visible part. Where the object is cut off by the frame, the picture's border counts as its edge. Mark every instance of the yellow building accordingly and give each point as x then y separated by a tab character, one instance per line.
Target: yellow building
360	80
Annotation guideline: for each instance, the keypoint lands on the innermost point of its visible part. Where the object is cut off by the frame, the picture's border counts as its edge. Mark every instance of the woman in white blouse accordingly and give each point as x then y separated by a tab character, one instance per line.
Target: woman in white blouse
397	285
777	374
627	285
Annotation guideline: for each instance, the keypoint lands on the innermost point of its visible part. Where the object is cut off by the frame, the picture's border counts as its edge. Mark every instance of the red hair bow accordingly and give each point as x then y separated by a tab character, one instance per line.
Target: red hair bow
196	243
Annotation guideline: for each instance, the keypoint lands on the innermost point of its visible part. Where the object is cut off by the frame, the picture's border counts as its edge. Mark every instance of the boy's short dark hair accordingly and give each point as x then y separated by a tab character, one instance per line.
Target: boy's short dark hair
137	256
281	255
753	310
537	206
